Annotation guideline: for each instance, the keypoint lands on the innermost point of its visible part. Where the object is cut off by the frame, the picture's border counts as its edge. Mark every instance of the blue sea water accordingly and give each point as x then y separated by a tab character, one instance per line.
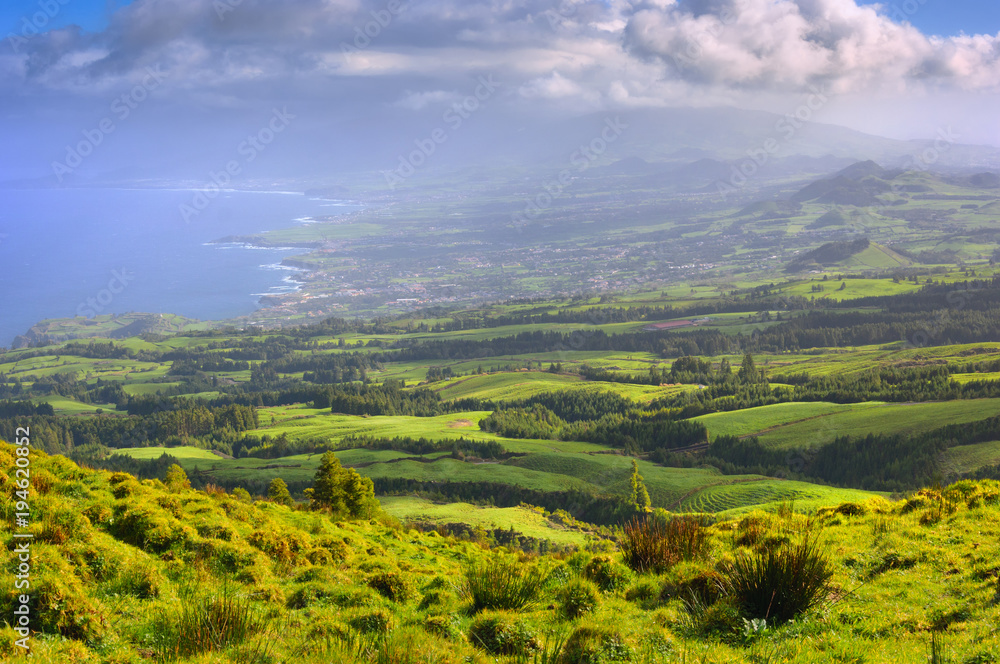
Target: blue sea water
64	251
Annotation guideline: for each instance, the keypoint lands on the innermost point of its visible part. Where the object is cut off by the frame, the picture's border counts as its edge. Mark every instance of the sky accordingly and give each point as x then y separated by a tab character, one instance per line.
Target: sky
178	84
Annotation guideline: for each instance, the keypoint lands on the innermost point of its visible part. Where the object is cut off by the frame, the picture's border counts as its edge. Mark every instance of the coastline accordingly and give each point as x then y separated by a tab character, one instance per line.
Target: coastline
271	285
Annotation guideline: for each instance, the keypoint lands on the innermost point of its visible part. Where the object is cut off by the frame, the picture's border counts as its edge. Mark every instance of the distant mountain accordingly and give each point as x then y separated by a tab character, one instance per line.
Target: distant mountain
349	153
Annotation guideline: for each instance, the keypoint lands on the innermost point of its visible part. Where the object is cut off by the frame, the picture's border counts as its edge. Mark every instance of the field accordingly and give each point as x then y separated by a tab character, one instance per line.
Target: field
293	575
522	519
968	458
879	418
522	385
751	421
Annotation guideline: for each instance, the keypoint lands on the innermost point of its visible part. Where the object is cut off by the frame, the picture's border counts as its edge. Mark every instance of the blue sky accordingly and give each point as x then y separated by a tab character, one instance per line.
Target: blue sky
937	17
92	15
948	17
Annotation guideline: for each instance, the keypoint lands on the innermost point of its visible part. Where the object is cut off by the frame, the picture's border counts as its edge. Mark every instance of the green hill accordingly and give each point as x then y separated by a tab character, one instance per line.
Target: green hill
125	571
859	254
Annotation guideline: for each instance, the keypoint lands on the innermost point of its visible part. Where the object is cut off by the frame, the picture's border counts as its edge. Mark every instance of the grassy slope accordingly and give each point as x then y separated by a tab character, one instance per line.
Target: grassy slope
111	589
881	418
524	520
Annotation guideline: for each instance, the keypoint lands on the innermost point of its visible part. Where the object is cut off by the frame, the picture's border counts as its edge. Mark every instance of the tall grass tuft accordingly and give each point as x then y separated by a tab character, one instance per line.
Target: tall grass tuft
778	584
502	583
209	624
937	649
654	546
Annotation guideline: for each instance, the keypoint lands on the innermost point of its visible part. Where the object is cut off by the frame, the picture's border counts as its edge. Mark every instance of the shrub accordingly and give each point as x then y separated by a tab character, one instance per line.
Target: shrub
283	546
176	479
502	583
242	495
752	529
778	584
722	619
559	575
60	602
333	594
578	597
98	513
690	582
392	585
641	592
594	645
442	626
144	582
150	527
60	526
378	621
277	492
607	574
435	598
651	545
502	633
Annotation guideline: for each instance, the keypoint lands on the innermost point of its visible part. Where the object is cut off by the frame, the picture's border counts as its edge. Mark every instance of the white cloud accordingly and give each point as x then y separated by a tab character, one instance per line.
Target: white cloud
564	54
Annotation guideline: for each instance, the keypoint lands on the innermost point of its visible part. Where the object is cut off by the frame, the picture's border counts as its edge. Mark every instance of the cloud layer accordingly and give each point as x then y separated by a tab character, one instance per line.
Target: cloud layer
654	51
351	59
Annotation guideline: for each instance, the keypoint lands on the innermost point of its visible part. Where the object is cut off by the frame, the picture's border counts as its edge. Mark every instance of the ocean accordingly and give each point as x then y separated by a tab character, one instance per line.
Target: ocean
69	252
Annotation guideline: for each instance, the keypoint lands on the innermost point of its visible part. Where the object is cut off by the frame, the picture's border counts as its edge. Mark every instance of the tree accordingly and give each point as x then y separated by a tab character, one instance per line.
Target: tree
341	491
242	495
277	492
176	478
359	494
640	497
327	492
748	370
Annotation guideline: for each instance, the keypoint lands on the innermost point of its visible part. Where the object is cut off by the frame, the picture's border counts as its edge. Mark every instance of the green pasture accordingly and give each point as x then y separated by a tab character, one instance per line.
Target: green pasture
969	458
756	420
745	495
886	418
522	519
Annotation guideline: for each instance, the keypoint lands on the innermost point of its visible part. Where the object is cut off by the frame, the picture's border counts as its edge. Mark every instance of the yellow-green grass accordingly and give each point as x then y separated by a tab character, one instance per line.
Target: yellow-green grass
510	386
610	473
900	571
142	389
181	453
889	418
968	458
855	288
844	361
300	422
504	386
524	520
755	420
739	497
970	377
543	470
66	406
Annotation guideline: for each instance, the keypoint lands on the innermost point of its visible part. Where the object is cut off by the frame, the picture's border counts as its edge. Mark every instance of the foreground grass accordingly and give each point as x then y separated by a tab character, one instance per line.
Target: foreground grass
128	572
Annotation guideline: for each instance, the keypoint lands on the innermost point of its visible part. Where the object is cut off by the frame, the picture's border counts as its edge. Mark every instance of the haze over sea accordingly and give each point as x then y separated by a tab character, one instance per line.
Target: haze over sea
60	247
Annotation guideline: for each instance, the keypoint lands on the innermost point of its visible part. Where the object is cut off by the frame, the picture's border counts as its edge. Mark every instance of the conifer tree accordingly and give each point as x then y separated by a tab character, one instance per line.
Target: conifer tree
327	492
176	479
277	492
